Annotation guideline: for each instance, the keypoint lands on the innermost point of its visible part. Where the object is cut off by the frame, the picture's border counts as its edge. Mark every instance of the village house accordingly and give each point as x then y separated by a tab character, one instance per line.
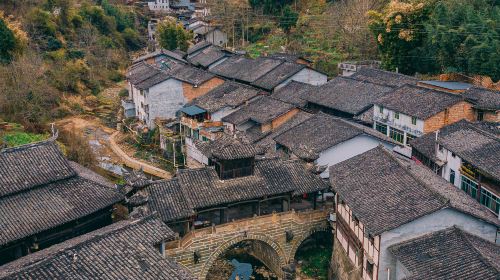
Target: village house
160	93
201	119
345	97
258	117
291	58
295	93
194	49
448	86
383	77
195	22
449	253
485	103
350	67
159	5
236	186
201	9
411	111
384	200
211	34
267	73
161	57
129	249
466	155
326	140
208	57
46	199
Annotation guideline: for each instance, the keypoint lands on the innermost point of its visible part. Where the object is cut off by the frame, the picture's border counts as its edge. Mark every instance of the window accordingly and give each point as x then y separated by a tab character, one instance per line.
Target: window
453	155
440	148
396	116
480	115
369	268
490	200
452	176
381	127
355	220
205	139
469	186
371	239
409	137
396	134
381	109
414	120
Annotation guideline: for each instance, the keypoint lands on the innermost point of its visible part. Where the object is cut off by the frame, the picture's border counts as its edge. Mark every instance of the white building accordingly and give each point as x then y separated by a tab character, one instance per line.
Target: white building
384	200
159	5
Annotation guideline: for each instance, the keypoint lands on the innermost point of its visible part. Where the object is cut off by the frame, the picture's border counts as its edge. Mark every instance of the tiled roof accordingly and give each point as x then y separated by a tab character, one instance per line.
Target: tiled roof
167	53
140	72
470	141
203	188
40	190
199	46
159	77
189	74
294	92
229	94
26	167
449	254
124	250
418	102
385	192
278	75
320	132
245	69
382	77
236	151
166	198
380	192
203	29
208	56
262	110
347	95
484	98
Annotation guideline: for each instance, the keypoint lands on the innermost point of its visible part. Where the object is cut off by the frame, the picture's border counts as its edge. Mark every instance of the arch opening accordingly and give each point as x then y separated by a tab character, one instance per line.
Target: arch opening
313	255
246	257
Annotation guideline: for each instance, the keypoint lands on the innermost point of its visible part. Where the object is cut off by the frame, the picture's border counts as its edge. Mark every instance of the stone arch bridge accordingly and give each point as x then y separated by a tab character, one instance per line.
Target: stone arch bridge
275	240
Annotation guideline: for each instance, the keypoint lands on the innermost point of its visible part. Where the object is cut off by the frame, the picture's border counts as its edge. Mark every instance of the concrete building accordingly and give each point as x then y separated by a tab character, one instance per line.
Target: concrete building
159	5
212	34
350	67
384	200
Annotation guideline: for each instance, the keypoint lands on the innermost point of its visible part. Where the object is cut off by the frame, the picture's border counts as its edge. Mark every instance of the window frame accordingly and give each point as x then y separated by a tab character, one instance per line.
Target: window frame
395	134
414	120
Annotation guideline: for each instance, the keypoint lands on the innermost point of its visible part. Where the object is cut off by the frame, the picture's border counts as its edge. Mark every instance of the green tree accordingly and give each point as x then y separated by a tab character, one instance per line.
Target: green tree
288	19
7	42
172	35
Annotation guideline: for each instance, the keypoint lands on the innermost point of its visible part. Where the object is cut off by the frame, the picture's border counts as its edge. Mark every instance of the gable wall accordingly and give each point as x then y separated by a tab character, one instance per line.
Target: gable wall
459	111
164	100
191	92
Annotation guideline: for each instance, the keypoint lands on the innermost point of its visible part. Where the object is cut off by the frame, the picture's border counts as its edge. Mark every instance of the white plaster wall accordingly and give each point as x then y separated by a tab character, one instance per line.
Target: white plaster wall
218	115
308	76
194	153
347	150
164	100
452	162
403	123
436	221
159	5
216	37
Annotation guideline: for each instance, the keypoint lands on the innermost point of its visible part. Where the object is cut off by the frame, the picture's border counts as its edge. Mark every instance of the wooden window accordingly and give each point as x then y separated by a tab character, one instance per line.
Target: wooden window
414	120
452	176
396	116
480	115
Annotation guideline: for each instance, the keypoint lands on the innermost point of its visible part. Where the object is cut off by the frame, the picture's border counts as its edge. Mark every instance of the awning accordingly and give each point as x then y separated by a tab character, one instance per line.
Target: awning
193	110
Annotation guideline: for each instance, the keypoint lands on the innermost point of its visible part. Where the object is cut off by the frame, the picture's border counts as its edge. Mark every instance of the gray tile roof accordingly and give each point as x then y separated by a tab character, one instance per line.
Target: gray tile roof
245	69
380	192
347	95
470	141
278	75
484	98
199	46
230	94
189	74
40	190
140	72
321	132
29	166
385	192
294	92
419	102
208	56
236	151
166	198
202	187
170	54
262	110
382	77
159	77
449	254
124	250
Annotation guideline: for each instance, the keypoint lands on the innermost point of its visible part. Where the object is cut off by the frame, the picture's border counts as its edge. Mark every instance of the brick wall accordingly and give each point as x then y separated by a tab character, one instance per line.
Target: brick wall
191	92
455	113
279	120
491	116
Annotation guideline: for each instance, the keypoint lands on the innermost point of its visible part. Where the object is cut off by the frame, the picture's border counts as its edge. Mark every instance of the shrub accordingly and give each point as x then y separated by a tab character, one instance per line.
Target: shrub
77	147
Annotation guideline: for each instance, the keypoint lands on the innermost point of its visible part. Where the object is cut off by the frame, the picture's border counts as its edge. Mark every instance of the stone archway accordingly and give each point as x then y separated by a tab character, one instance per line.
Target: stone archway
257	237
300	239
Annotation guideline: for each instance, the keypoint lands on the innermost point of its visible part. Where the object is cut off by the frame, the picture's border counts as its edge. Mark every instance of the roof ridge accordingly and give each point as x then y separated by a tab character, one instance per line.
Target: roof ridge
48	141
463	236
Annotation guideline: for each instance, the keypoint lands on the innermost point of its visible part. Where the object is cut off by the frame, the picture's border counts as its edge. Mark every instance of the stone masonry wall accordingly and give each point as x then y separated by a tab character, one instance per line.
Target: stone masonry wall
210	243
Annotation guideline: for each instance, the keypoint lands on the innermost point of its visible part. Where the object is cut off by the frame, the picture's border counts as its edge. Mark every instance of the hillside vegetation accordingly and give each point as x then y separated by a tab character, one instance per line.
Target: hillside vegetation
57	55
